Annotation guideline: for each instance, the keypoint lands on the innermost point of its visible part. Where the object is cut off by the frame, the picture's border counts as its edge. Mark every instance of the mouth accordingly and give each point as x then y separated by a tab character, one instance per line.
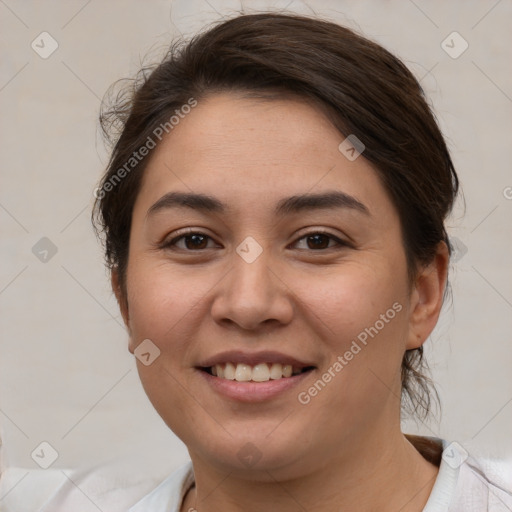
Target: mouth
253	377
261	372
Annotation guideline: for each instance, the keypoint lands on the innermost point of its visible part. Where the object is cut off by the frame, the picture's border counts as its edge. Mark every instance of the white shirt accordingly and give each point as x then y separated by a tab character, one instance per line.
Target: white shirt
461	486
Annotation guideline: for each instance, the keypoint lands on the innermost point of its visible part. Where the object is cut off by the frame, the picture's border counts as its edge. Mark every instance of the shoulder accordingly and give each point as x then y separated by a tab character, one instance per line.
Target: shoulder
109	487
470	484
167	497
483	485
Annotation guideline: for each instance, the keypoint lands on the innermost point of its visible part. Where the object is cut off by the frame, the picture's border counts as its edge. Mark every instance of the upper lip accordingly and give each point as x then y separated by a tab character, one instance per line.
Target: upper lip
254	358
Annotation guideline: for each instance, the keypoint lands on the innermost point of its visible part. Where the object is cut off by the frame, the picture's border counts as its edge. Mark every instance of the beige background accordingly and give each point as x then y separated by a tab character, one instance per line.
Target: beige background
66	375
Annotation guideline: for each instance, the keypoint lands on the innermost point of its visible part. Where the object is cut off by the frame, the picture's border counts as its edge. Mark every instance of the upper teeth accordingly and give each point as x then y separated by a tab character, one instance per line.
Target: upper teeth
259	373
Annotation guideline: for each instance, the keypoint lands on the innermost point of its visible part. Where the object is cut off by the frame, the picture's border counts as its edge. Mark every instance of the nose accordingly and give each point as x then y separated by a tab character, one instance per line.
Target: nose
253	295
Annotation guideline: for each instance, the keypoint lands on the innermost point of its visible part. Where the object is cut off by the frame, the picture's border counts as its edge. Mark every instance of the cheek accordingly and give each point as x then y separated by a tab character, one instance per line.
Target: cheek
353	298
165	307
363	320
163	304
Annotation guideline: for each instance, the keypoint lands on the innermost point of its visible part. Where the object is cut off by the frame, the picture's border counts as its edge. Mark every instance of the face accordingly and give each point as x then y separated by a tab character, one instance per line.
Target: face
294	262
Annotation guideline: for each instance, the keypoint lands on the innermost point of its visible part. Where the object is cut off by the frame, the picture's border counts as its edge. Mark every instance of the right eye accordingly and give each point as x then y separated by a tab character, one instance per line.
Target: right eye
192	241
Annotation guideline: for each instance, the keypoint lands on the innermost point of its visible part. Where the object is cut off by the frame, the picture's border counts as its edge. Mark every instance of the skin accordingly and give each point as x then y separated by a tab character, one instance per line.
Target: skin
344	449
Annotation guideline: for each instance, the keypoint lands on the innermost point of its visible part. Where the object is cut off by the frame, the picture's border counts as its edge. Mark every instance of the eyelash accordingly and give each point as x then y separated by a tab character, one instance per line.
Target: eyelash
172	243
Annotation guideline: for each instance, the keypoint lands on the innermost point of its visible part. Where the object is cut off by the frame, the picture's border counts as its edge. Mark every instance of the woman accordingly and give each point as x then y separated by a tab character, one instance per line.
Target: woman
273	214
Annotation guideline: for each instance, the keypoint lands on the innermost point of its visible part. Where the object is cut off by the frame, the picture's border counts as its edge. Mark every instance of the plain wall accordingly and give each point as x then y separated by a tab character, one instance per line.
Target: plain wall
66	375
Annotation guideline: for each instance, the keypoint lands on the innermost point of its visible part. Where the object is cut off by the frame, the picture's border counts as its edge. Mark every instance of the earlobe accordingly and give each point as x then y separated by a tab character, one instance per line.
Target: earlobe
427	297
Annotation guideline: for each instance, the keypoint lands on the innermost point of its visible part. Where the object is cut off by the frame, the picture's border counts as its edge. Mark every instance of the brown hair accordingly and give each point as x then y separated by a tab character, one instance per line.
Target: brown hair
361	87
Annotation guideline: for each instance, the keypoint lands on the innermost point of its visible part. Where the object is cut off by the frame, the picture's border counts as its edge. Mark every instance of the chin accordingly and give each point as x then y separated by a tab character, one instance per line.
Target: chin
256	456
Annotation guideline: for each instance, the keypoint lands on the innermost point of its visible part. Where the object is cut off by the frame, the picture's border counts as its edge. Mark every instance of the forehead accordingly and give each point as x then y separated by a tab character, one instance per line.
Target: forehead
252	152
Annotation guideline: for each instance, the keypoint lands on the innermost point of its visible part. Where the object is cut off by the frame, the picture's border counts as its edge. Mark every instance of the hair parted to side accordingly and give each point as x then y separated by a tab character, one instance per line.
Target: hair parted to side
362	88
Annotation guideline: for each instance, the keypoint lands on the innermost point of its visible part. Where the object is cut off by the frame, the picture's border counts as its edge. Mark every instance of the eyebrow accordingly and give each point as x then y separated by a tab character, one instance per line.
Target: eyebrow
286	206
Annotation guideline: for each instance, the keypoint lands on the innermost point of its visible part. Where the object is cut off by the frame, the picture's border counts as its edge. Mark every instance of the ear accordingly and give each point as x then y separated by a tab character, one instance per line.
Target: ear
122	300
427	297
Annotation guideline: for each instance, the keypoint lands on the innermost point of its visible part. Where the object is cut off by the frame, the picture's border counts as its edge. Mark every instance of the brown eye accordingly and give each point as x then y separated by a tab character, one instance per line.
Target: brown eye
196	241
189	242
319	241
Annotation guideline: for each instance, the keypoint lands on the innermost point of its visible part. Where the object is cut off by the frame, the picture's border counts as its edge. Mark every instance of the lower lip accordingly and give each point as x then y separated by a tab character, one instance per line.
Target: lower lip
253	391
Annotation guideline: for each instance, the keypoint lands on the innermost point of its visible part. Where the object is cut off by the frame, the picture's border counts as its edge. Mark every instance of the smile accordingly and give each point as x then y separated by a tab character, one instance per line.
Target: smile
262	372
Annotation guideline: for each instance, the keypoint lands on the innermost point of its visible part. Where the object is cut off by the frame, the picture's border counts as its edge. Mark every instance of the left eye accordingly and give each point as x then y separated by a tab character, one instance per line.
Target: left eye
316	241
192	241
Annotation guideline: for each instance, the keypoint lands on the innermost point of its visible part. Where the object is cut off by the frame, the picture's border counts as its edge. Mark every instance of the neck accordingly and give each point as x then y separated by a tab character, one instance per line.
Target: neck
387	475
